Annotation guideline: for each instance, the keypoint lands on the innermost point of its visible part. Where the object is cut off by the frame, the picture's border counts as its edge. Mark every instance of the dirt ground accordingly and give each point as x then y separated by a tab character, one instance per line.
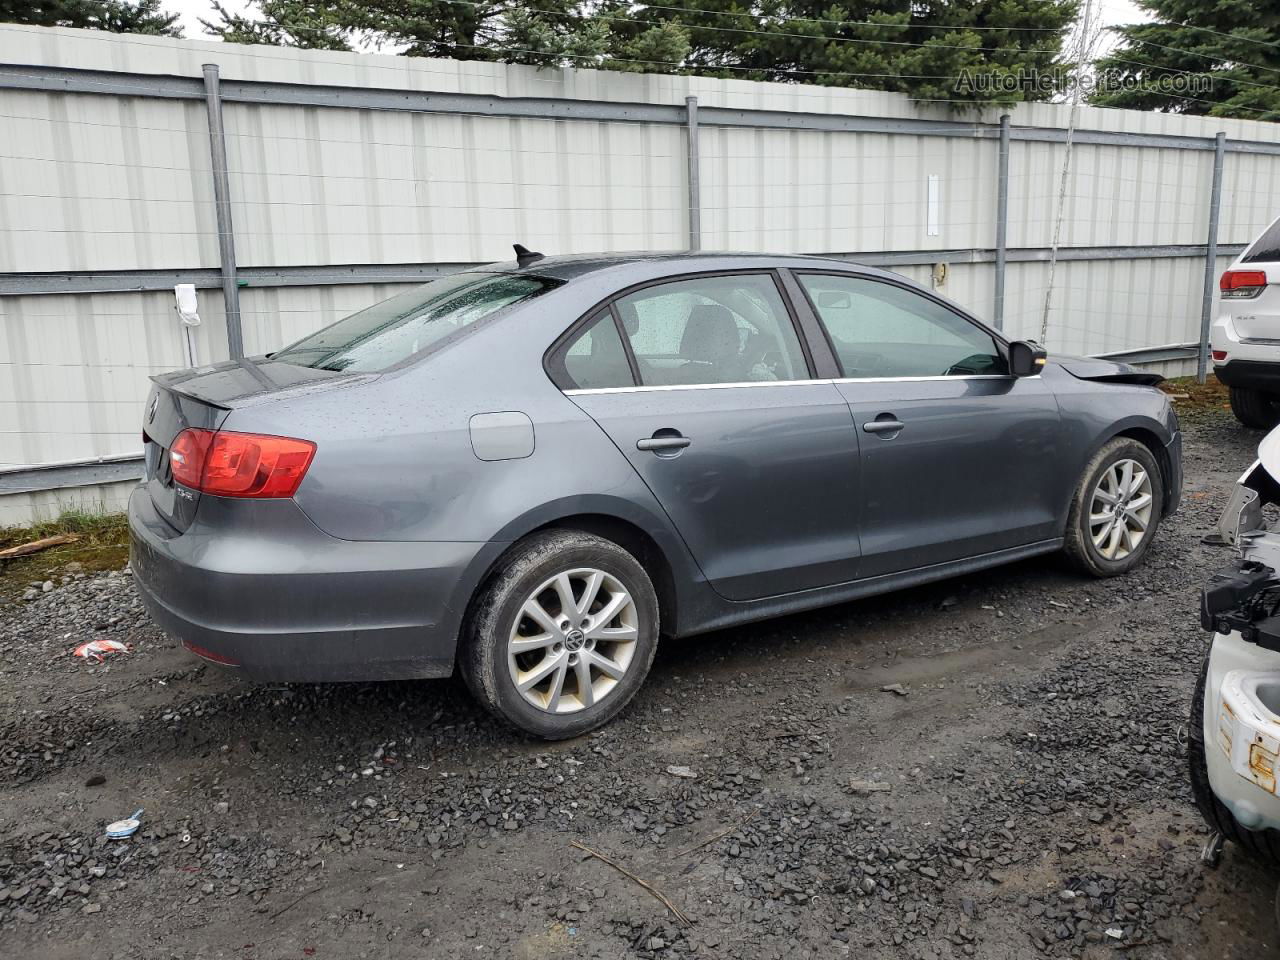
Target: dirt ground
1024	795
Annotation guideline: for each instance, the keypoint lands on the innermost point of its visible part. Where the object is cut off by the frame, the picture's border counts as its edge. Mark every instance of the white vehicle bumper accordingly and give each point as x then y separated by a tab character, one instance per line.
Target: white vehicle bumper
1241	730
1240	362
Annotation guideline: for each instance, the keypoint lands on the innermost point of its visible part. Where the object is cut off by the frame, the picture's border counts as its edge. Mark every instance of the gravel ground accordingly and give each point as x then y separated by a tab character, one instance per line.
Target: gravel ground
1020	792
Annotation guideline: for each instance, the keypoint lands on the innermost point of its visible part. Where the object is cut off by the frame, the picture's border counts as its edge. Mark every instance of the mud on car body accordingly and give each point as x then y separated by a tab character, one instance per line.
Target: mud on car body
1234	740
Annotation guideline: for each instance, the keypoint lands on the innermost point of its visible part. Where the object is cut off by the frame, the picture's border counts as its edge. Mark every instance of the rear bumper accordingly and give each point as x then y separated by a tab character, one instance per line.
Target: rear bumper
1251	374
255	585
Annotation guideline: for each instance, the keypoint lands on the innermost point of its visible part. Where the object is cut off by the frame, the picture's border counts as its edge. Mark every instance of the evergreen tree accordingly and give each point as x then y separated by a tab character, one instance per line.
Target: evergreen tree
932	49
946	50
284	23
1220	58
116	16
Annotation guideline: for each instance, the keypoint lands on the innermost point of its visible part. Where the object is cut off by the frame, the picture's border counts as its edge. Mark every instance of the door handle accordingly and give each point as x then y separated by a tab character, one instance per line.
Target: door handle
882	426
666	442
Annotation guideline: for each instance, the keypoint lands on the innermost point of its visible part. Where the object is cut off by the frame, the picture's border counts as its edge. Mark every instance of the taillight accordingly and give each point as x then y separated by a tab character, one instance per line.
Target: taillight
228	464
1219	355
1242	284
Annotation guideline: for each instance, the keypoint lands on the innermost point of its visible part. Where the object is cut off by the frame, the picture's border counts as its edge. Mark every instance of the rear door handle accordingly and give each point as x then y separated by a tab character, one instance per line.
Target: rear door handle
882	426
663	443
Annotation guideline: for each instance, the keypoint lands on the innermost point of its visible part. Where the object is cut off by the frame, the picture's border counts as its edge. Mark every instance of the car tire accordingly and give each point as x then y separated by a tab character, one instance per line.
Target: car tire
1263	845
1081	547
504	647
1254	409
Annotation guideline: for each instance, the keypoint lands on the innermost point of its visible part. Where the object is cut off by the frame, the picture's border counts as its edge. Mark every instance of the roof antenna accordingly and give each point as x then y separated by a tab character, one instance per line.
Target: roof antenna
525	256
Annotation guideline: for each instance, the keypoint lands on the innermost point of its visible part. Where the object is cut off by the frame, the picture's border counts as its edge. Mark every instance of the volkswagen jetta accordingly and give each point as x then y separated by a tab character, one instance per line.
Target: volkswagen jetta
536	469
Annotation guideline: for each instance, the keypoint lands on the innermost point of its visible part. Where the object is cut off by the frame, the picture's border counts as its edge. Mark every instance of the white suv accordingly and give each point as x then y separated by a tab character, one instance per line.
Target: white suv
1245	337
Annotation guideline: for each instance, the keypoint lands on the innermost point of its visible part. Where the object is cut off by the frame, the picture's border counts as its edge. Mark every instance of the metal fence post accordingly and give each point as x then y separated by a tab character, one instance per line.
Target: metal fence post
1210	257
222	203
695	179
1002	222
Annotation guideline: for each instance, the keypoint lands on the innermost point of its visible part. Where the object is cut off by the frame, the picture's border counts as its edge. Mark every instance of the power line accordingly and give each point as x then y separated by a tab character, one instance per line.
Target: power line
918	26
1216	33
768	33
1202	56
704	69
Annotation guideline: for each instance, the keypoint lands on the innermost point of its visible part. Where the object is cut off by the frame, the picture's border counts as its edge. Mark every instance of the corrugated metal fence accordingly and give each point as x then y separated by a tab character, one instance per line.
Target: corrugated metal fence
349	176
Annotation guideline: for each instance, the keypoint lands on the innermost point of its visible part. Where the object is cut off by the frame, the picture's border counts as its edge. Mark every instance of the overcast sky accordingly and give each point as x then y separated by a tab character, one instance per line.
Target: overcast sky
1106	12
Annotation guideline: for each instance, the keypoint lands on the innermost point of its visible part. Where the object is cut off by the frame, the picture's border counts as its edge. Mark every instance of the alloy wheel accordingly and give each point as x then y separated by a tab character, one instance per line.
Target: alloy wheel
573	640
1120	509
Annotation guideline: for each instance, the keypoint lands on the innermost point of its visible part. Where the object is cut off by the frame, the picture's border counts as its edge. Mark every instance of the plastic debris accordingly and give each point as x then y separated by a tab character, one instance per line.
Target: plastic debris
100	649
684	773
126	827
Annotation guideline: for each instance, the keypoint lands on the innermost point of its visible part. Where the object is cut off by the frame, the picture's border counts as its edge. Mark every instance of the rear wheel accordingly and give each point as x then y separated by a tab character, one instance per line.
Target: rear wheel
1263	844
562	636
1255	409
1116	509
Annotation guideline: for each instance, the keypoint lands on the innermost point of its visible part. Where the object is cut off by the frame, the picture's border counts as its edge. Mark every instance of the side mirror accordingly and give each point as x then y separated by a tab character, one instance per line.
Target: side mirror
1026	358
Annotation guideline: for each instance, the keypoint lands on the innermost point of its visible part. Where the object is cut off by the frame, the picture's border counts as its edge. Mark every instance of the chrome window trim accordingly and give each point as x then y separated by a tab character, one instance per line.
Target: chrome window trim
959	376
592	391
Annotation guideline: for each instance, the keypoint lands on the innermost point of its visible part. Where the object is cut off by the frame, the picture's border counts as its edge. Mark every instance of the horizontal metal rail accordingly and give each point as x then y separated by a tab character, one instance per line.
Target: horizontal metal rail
58	476
141	281
68	80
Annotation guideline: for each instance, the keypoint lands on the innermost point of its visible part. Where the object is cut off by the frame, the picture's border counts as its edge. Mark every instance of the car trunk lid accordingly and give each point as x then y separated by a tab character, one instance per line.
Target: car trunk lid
203	398
167	414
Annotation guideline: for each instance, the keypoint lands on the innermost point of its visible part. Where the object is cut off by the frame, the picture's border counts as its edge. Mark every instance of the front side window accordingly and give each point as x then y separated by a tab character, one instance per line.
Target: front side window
883	330
394	330
732	329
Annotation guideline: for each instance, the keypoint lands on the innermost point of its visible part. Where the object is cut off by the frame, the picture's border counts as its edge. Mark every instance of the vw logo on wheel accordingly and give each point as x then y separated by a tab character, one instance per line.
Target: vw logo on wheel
574	639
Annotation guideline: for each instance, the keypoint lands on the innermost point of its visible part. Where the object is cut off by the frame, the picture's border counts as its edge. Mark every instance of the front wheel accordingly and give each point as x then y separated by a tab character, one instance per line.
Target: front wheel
562	636
1254	409
1116	509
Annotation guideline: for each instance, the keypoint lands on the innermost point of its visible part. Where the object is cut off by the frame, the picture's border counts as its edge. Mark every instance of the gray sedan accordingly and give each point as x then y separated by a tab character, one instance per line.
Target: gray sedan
534	470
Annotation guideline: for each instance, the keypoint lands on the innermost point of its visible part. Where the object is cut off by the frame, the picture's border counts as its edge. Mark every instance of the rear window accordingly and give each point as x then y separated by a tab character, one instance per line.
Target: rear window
1266	247
397	329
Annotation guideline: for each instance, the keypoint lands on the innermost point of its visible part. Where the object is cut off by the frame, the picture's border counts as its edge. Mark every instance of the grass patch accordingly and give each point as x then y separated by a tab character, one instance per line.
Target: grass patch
103	545
1197	400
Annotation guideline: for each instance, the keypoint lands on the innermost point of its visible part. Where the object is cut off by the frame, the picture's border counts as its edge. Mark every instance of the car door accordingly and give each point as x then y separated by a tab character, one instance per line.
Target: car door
958	457
702	382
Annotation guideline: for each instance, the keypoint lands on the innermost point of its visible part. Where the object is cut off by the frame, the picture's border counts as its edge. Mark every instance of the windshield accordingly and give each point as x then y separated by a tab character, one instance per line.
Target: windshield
394	330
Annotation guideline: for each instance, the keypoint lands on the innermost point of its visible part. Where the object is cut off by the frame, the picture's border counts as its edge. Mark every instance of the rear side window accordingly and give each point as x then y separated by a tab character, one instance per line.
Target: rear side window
733	329
1266	247
883	330
594	359
395	330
